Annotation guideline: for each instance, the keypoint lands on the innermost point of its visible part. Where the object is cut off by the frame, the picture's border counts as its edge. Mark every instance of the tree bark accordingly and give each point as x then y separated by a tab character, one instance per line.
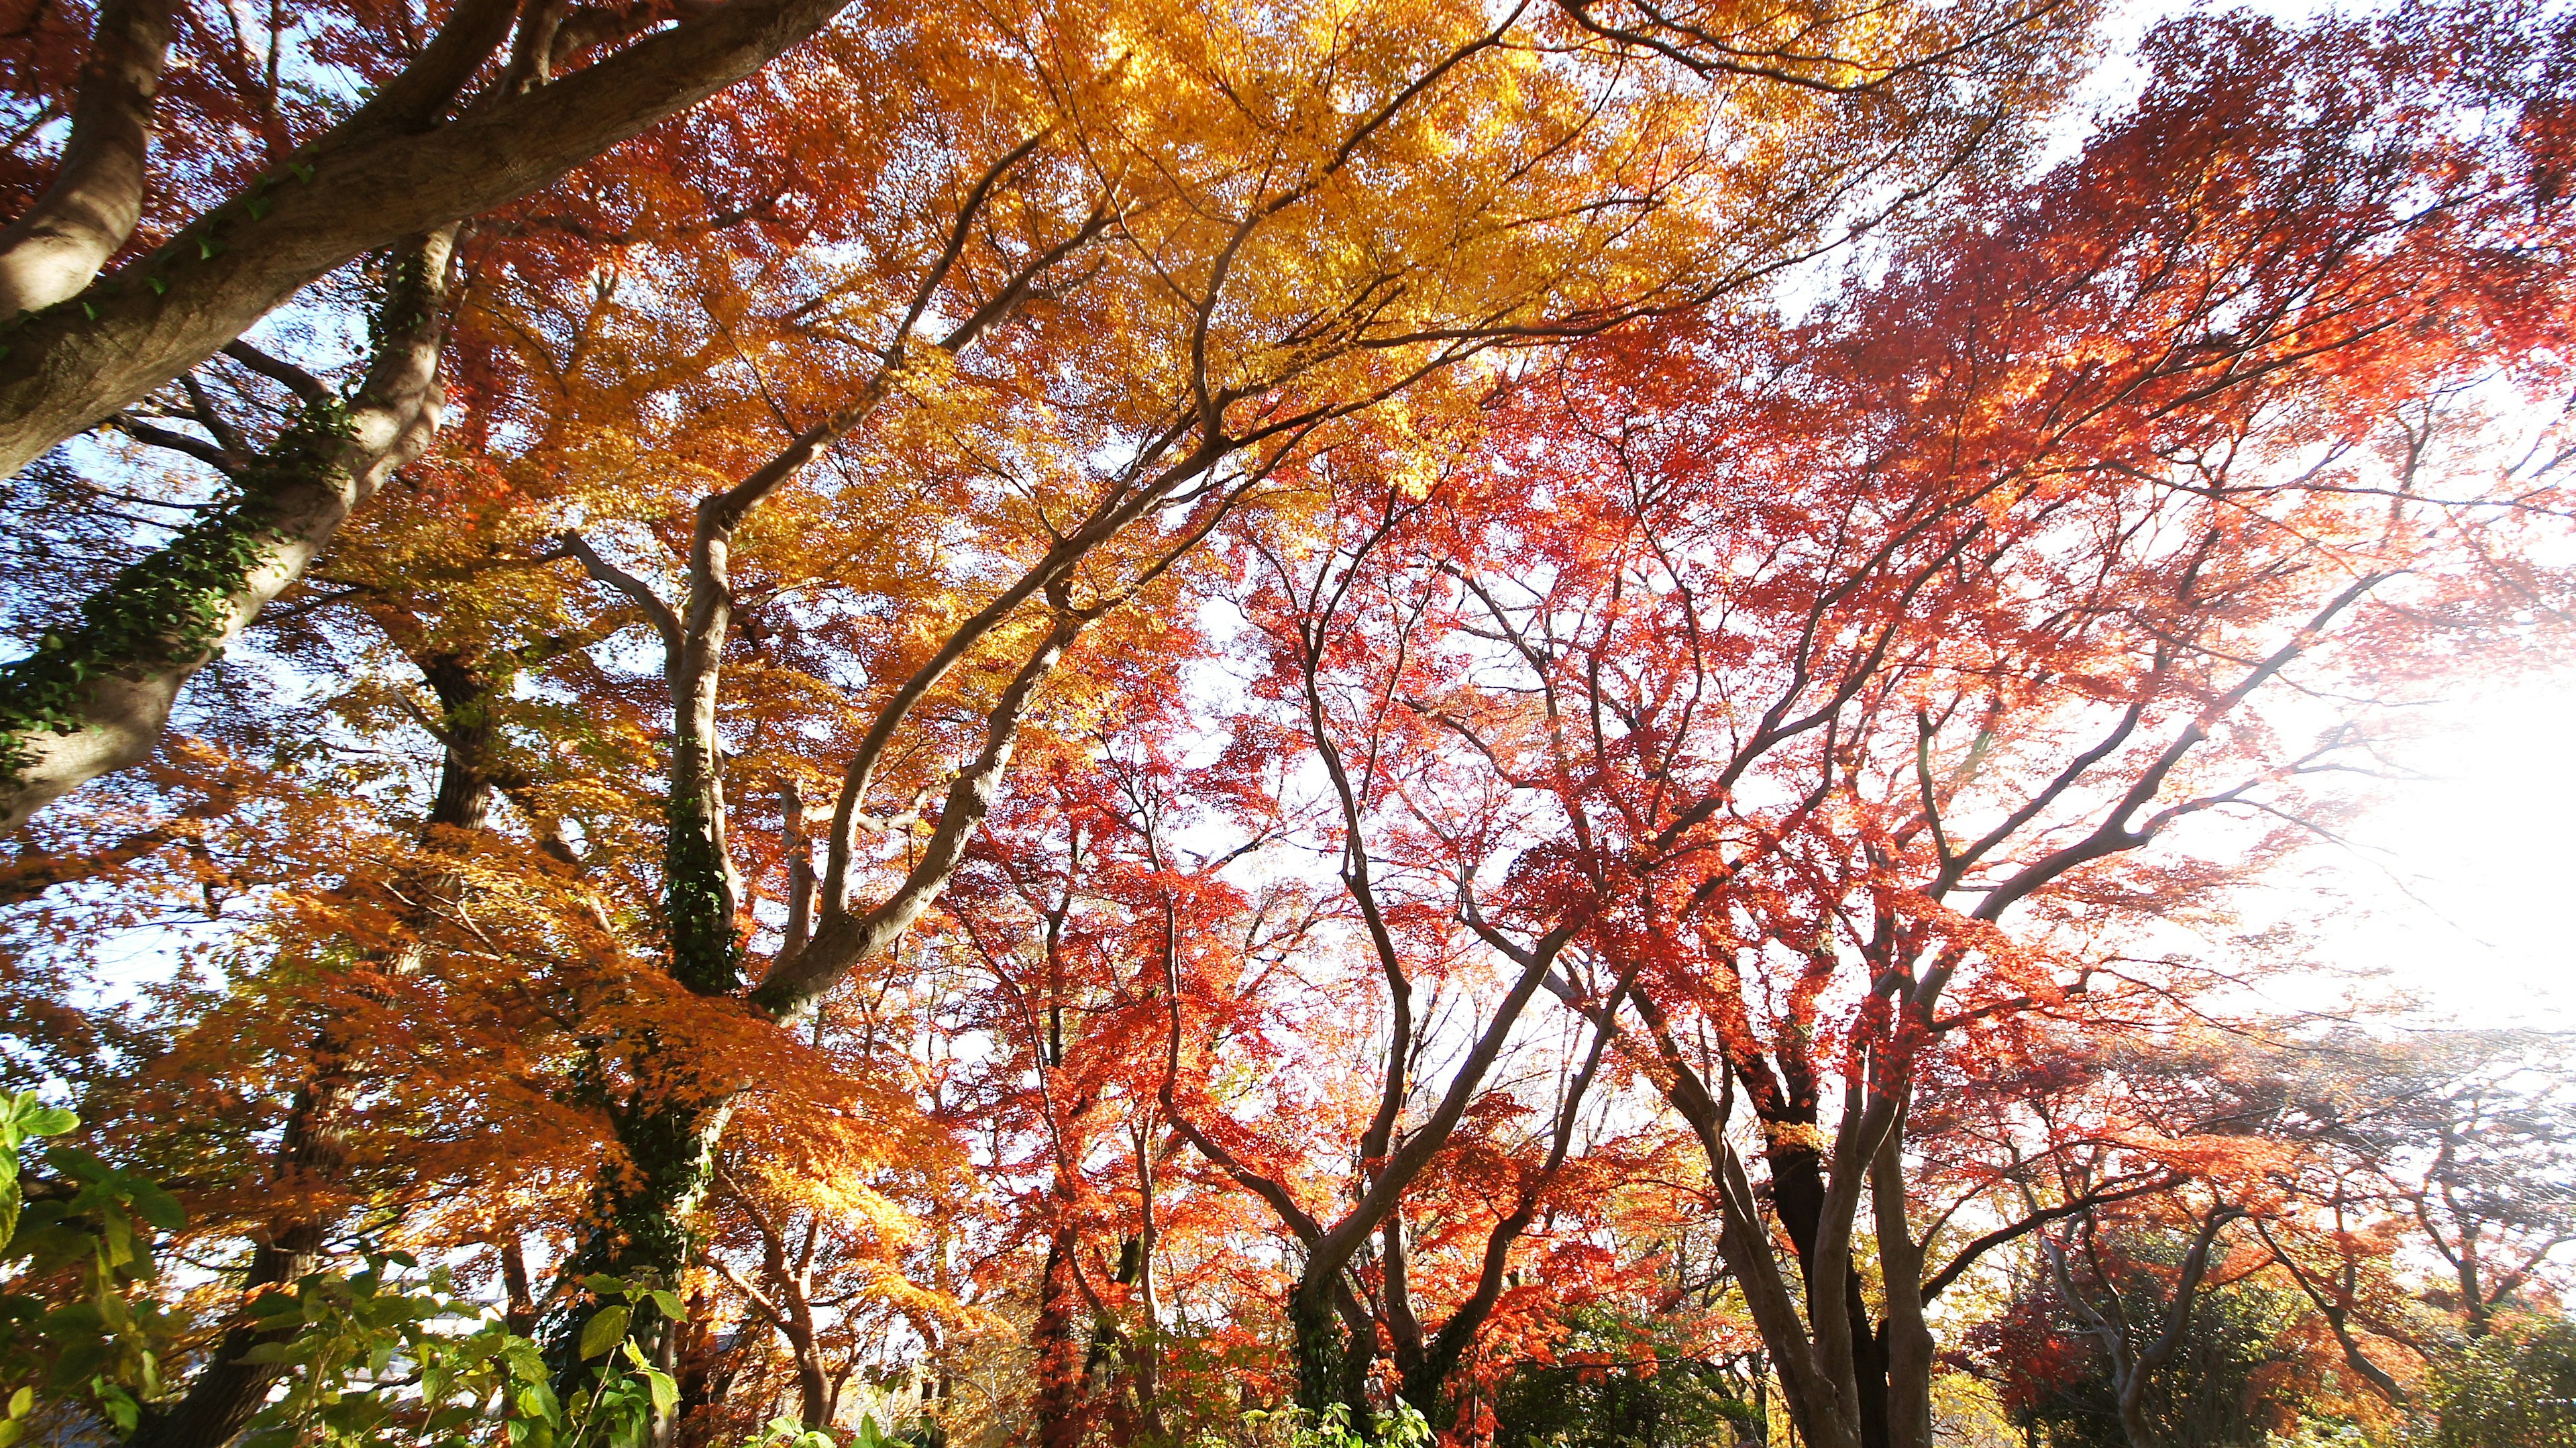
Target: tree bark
1060	1379
1798	1194
1815	1402
1332	1365
363	186
53	250
97	694
642	1219
1905	1339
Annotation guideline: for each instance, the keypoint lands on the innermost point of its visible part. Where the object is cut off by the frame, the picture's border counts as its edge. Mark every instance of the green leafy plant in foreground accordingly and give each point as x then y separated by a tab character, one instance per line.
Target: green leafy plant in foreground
388	1356
1399	1426
375	1363
78	1325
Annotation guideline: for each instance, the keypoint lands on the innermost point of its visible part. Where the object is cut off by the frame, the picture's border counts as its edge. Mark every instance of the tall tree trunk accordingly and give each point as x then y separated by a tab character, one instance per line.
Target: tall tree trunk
1798	1193
1060	1379
1906	1339
1332	1364
643	1219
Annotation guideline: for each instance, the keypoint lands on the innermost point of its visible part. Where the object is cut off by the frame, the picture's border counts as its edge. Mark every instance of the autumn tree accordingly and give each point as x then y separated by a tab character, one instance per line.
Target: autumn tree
1929	615
1221	379
1129	712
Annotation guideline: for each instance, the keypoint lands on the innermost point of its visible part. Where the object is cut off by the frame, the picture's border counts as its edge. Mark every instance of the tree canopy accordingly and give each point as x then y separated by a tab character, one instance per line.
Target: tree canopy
1320	722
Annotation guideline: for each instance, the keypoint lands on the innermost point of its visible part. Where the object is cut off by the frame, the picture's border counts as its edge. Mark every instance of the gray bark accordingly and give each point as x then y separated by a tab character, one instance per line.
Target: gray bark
90	208
314	480
1908	1337
367	184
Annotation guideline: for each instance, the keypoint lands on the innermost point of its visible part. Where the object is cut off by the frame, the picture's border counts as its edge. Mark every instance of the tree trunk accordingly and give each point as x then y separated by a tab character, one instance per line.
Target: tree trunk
1813	1400
97	693
1798	1194
1332	1365
1060	1379
225	1392
1905	1340
57	245
365	186
642	1219
815	1391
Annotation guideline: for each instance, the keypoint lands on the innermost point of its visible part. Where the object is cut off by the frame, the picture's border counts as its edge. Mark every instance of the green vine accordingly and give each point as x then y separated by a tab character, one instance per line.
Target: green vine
643	1219
706	950
1323	1361
170	609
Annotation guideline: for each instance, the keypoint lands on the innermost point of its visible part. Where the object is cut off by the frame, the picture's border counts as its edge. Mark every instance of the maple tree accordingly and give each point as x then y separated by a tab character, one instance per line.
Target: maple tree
1813	715
1067	721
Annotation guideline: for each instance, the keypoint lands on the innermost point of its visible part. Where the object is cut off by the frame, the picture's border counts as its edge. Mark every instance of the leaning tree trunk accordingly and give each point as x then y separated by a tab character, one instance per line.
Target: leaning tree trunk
89	209
390	171
96	694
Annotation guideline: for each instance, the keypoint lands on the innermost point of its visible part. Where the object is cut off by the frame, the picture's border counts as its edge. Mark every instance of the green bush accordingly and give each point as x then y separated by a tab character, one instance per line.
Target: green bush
2513	1388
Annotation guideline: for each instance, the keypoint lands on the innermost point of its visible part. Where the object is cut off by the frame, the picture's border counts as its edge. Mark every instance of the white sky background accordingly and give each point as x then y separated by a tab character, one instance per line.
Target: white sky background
2458	885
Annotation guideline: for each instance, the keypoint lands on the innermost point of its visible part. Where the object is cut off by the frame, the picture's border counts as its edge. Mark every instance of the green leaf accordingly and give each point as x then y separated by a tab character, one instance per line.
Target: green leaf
22	1402
38	1120
604	1331
538	1401
71	1161
121	1408
670	1304
666	1393
158	1207
79	1360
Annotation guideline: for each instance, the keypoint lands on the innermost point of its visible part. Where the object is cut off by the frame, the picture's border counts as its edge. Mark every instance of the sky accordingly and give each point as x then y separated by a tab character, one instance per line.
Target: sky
2458	884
